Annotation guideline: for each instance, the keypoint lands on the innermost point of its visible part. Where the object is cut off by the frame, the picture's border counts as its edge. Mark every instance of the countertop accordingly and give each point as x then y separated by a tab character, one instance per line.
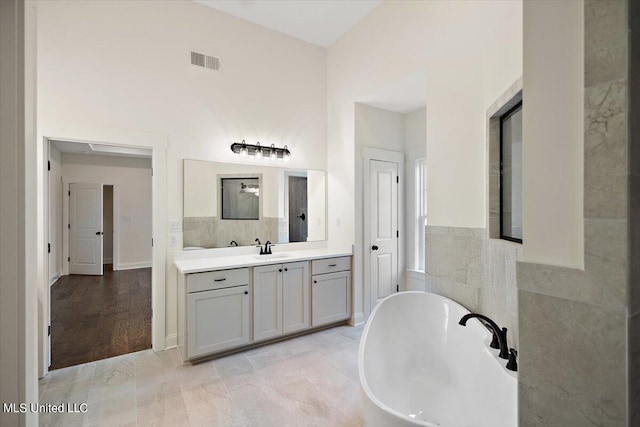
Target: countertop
188	266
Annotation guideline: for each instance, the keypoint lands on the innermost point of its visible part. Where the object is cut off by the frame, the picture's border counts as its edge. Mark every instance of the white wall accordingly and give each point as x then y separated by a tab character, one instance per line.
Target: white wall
55	214
107	223
472	52
415	147
316	205
132	177
107	68
553	133
18	293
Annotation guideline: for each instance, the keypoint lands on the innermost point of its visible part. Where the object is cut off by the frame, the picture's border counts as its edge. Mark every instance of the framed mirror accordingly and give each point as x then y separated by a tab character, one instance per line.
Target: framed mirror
227	204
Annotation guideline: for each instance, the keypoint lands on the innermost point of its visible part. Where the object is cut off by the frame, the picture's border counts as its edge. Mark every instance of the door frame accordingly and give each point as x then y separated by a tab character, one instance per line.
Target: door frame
397	157
65	219
158	144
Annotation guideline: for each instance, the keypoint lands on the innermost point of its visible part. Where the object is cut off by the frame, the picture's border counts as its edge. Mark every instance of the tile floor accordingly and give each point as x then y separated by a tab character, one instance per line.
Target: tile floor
311	380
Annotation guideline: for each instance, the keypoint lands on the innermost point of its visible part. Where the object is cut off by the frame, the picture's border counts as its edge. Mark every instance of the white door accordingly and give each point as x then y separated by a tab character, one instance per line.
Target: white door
383	211
85	234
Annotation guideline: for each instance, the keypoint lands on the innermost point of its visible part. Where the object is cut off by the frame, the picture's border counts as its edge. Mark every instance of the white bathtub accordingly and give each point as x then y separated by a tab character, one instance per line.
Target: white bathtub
418	366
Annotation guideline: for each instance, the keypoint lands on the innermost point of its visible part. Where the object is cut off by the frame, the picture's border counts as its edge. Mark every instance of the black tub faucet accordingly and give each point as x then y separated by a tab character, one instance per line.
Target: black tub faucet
233	243
499	335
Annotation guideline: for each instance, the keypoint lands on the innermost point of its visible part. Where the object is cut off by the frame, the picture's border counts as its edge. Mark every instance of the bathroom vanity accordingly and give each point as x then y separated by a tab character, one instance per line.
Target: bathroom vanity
227	303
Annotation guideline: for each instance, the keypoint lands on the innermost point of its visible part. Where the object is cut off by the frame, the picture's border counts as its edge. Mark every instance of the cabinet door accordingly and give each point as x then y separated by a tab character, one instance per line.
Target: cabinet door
218	320
295	297
331	298
267	302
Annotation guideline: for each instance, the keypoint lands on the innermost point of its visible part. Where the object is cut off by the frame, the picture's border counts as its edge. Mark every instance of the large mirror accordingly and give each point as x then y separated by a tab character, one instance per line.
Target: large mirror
227	204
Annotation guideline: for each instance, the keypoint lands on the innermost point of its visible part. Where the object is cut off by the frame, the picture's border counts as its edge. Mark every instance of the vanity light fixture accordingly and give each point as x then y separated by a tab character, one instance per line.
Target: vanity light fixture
261	152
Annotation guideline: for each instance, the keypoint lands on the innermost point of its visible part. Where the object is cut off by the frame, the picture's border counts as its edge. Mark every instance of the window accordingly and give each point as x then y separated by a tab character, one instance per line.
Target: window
421	211
511	174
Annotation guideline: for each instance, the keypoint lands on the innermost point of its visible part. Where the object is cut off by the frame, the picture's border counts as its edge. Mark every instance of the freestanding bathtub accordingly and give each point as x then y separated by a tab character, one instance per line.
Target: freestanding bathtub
418	366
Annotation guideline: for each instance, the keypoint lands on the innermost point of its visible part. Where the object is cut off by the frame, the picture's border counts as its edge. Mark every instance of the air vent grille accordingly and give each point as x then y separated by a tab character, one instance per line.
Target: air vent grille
205	61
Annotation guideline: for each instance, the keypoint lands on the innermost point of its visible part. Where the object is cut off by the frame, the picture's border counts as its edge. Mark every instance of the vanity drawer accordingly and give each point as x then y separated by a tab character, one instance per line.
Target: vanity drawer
197	282
330	265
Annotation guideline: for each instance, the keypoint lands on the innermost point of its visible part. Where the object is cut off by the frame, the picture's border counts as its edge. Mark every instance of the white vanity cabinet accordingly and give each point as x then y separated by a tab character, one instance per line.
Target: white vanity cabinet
280	299
216	312
229	303
330	290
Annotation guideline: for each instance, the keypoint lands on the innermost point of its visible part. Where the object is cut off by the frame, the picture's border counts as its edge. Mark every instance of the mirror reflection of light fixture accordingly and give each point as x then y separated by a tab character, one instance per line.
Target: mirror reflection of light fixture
250	188
259	152
244	152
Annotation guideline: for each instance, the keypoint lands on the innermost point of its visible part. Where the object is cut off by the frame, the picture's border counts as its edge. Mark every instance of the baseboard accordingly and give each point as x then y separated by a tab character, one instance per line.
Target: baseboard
133	265
357	319
107	261
171	341
53	279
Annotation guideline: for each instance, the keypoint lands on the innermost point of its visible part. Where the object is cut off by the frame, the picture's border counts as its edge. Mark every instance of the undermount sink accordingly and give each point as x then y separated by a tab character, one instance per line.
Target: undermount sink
272	256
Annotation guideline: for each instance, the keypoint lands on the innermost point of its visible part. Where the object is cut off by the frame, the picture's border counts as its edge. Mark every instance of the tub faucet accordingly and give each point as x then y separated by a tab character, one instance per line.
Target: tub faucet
499	335
233	243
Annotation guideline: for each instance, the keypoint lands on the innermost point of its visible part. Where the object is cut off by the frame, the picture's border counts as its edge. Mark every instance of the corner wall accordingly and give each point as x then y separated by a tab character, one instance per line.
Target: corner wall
471	52
573	321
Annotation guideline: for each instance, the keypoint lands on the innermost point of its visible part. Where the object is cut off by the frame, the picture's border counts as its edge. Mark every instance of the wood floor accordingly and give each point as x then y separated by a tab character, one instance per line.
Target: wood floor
96	317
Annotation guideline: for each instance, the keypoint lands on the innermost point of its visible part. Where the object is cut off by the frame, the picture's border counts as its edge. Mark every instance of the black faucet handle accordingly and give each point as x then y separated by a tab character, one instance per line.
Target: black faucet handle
512	363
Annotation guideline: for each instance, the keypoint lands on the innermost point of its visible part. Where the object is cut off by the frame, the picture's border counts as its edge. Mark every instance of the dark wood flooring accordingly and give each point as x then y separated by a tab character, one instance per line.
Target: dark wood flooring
95	317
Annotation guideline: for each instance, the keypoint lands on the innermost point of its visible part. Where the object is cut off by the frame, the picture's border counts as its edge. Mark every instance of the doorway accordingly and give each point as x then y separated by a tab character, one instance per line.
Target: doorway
100	306
382	212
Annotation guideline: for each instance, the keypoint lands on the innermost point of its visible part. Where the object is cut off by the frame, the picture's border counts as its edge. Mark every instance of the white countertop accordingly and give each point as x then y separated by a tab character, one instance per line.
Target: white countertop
187	266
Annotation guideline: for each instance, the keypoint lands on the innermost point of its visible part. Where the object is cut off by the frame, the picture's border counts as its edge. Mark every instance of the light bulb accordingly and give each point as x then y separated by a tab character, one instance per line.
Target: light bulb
287	155
273	155
258	151
243	150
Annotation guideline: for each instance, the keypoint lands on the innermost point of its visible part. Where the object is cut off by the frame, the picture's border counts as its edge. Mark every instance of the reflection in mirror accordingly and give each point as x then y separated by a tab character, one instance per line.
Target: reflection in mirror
227	203
240	198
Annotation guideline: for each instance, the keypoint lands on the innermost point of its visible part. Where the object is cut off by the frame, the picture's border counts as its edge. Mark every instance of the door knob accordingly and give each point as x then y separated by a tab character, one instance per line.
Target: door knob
374	248
302	217
98	233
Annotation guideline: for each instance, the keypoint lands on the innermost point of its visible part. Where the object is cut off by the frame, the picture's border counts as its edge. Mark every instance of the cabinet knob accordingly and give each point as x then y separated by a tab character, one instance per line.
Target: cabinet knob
246	292
280	270
286	269
315	281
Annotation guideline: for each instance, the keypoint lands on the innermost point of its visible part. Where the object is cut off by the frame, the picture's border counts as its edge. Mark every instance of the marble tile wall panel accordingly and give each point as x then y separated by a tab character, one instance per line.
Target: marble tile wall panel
605	41
605	150
212	232
477	272
574	371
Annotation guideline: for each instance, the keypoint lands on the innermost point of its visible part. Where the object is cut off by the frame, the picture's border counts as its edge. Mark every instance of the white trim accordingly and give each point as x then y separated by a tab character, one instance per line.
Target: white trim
357	319
158	144
369	154
133	265
171	341
107	260
53	279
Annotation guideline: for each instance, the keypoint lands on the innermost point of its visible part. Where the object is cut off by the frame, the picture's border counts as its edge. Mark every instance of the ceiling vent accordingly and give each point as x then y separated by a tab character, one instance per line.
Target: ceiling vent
205	61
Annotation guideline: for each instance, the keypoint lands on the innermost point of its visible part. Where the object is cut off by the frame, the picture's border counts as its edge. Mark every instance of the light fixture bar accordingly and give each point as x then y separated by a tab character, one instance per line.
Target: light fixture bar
258	150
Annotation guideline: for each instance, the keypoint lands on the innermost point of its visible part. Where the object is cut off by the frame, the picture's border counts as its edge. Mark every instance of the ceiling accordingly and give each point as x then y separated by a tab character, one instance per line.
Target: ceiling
320	22
99	149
